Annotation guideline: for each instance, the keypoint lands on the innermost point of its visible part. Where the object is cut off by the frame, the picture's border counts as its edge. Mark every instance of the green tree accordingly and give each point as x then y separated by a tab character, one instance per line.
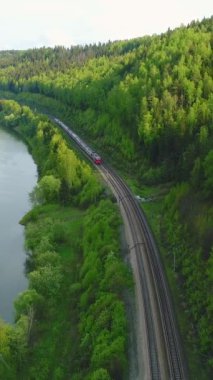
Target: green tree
208	171
100	374
27	301
47	190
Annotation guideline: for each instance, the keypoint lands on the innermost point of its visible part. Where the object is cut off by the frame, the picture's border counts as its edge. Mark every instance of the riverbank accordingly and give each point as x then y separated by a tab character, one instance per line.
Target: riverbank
71	321
18	175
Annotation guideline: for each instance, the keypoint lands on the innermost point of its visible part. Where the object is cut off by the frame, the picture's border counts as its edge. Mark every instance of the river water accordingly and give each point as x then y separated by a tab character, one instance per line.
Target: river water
18	176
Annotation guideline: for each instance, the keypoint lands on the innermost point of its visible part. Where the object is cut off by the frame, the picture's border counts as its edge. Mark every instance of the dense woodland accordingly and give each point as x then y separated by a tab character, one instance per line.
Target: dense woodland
147	106
71	322
152	95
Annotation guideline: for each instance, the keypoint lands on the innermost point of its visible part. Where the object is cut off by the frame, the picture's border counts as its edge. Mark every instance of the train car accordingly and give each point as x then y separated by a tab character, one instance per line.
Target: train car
95	157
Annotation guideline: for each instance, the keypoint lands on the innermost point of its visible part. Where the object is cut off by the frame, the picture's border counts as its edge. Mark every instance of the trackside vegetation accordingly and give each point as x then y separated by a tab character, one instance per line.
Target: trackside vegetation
71	321
146	104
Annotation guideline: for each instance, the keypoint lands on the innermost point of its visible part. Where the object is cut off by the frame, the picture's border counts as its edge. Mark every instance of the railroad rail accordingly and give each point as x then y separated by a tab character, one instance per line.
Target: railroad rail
161	341
147	250
153	365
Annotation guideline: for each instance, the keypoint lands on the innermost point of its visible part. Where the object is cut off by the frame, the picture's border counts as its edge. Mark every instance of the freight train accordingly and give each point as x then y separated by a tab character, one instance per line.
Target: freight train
93	155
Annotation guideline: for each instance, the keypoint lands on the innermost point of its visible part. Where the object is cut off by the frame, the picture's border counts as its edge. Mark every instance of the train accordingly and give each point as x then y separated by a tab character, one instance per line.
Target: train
93	155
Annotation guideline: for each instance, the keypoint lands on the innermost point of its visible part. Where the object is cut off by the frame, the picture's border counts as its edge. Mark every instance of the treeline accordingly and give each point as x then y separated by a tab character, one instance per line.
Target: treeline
63	176
70	322
33	61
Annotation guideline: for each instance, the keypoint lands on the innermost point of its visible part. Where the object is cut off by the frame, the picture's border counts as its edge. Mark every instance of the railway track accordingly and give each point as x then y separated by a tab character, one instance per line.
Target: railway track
153	362
162	333
159	346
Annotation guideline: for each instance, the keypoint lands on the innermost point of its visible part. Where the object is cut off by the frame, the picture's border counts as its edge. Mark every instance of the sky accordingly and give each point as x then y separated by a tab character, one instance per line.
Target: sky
28	24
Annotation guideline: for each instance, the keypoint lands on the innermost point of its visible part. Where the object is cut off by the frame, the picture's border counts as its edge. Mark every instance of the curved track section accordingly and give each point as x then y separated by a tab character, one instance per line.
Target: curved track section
158	345
153	369
163	340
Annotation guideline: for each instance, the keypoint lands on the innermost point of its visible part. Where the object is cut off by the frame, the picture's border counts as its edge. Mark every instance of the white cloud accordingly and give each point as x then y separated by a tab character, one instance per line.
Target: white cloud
58	37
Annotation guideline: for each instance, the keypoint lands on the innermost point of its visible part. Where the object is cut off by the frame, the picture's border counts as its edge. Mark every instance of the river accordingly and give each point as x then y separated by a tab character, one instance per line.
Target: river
18	176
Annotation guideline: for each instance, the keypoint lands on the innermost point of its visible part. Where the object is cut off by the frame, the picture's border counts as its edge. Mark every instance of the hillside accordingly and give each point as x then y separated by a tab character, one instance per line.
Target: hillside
147	105
151	95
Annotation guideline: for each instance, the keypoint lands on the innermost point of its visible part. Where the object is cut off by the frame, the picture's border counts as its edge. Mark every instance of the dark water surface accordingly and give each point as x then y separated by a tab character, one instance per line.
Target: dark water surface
18	175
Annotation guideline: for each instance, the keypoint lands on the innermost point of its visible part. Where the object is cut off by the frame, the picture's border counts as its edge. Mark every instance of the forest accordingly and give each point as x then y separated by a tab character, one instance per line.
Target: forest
69	271
147	106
